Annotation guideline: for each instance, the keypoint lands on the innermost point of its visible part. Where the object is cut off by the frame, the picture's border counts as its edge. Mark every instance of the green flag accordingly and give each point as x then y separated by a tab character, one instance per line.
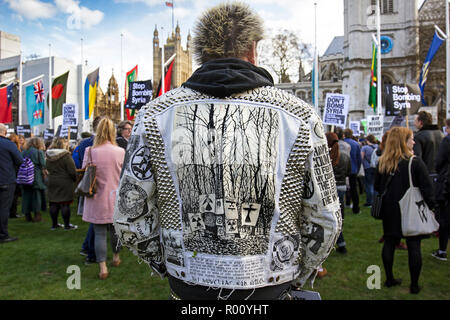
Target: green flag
59	90
373	80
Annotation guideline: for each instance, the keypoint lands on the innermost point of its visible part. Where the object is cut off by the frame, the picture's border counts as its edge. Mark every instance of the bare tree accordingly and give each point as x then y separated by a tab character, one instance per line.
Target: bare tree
283	54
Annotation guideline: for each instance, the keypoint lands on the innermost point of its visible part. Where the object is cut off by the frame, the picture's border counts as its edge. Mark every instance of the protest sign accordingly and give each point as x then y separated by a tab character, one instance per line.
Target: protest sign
70	114
375	126
336	109
24	130
355	126
139	94
63	131
400	97
49	134
364	125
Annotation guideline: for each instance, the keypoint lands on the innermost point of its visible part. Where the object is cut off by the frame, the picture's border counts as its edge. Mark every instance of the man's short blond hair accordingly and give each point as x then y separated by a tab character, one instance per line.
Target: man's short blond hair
226	31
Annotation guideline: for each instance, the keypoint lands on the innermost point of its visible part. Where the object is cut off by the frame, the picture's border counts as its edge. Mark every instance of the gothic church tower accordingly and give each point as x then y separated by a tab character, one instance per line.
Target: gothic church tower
399	42
182	68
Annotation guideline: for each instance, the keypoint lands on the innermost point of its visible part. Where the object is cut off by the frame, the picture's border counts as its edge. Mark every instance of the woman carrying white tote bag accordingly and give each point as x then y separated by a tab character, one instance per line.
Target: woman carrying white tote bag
417	218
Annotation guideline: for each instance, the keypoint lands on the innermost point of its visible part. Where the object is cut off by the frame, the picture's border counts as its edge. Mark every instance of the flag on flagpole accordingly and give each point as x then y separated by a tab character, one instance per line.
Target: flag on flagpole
6	104
131	76
434	47
59	90
90	93
373	80
35	103
167	81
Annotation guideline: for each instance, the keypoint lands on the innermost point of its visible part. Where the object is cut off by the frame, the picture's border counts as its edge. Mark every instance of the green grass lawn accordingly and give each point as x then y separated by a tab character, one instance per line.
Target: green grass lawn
35	267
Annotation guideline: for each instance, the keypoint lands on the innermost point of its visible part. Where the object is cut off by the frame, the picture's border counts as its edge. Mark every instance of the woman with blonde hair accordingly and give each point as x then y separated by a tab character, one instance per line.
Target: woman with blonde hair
392	174
61	182
99	209
33	196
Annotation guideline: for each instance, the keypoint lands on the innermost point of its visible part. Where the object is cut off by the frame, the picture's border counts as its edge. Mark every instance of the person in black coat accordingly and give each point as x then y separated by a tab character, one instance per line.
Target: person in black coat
10	160
443	194
427	140
393	164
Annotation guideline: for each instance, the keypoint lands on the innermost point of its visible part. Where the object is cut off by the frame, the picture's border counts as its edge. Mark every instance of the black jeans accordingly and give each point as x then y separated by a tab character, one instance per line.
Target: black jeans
353	179
6	198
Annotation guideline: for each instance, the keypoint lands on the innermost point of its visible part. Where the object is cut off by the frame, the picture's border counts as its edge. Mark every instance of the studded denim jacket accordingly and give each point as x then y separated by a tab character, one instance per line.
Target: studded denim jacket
233	193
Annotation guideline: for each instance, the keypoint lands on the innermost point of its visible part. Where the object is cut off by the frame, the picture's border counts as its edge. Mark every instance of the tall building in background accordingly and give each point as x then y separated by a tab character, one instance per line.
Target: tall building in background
399	54
182	68
406	34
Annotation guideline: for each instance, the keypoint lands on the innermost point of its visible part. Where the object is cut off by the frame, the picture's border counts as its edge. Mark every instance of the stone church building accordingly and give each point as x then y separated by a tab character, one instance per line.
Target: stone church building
109	103
406	35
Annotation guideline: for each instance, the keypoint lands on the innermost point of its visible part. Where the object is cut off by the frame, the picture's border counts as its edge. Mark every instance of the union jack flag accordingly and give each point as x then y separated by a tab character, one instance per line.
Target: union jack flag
39	91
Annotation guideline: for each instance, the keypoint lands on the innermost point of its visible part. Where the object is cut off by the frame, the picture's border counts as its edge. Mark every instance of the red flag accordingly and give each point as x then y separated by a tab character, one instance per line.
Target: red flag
6	104
167	81
169	4
131	76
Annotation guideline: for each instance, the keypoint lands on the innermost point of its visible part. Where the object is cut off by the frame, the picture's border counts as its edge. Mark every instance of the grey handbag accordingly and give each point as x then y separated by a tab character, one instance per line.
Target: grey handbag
87	186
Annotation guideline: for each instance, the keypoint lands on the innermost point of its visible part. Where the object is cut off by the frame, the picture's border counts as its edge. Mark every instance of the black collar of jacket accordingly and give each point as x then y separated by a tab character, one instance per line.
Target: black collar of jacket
223	77
429	127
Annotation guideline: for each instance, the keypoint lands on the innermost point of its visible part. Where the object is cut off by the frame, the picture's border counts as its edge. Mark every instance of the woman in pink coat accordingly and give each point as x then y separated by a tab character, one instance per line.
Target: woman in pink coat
99	209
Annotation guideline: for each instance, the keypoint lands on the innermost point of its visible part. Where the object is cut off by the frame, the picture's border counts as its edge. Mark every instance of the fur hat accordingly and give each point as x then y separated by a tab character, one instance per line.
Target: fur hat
227	30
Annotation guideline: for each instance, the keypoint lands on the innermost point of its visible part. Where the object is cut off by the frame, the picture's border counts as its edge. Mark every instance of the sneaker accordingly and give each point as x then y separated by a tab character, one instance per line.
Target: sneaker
9	239
59	225
440	256
401	246
342	250
84	252
71	227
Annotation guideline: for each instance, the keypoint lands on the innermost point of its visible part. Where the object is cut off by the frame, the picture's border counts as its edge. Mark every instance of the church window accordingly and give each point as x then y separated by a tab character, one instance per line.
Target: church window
386	6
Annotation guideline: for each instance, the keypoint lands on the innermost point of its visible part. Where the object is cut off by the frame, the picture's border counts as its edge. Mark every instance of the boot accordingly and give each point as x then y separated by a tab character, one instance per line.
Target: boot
37	217
28	217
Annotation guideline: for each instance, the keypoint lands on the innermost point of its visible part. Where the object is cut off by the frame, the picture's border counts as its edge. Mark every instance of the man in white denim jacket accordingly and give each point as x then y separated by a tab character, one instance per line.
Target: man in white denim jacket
227	186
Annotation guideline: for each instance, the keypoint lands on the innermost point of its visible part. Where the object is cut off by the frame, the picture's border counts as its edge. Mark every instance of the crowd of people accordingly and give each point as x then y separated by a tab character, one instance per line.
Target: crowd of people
52	172
163	219
382	167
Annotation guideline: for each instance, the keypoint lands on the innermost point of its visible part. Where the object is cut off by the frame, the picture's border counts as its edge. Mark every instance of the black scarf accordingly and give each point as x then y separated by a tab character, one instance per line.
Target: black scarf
224	77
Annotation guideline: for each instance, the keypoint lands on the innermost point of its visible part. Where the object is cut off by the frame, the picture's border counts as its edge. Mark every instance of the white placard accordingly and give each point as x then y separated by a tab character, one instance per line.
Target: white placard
336	109
375	126
356	127
70	114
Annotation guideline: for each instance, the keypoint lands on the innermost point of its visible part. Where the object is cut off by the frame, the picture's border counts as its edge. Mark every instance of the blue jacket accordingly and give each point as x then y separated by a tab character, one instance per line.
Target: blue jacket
355	155
78	153
10	160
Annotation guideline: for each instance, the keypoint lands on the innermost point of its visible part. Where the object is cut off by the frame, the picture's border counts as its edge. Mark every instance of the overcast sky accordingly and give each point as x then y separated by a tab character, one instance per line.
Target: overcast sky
63	23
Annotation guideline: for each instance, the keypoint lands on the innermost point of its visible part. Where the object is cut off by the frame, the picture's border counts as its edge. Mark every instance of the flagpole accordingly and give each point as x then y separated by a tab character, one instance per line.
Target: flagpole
50	115
379	80
447	30
316	63
83	107
121	77
163	89
19	111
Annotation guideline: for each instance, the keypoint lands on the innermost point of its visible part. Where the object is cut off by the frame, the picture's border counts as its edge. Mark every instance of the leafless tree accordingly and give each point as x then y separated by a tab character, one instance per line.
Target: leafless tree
283	53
